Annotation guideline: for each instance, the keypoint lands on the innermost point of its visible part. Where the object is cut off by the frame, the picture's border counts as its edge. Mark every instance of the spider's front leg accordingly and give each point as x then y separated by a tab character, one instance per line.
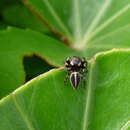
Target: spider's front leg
67	62
66	69
67	76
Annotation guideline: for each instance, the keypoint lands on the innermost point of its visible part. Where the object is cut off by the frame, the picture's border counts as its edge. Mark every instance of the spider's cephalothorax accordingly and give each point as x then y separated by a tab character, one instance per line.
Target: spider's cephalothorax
76	67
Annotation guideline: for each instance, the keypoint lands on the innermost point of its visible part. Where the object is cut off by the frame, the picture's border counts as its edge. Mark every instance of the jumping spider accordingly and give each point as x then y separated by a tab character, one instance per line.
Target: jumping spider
75	67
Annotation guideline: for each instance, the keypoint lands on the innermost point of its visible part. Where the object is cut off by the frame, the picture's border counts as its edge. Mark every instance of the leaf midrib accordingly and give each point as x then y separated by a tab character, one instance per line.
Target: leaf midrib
77	20
88	97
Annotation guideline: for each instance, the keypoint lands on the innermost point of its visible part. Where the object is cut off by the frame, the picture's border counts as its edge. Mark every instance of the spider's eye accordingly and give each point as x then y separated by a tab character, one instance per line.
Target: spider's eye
72	63
79	63
83	59
85	64
68	60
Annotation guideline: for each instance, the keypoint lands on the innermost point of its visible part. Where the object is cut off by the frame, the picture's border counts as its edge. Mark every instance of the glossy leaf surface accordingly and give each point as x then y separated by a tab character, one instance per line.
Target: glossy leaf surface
91	26
18	43
86	21
45	103
25	19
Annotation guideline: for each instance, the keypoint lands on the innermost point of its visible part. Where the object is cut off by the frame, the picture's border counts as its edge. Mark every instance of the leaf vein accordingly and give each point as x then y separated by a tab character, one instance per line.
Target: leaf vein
95	22
62	26
107	22
28	123
126	126
111	33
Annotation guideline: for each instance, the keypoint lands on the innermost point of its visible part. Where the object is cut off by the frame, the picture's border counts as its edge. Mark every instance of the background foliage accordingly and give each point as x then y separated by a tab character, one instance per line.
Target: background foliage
35	38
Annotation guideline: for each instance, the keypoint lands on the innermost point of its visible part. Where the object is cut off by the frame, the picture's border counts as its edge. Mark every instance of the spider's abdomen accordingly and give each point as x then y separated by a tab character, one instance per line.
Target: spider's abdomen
75	79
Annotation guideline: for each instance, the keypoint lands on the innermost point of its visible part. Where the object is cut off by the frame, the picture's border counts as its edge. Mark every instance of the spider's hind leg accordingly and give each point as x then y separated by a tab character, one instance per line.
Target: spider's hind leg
84	81
84	71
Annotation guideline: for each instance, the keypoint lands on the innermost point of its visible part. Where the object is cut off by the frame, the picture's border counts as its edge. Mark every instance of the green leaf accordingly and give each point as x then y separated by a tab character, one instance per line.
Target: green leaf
15	44
46	103
89	24
34	66
2	26
111	91
25	19
5	3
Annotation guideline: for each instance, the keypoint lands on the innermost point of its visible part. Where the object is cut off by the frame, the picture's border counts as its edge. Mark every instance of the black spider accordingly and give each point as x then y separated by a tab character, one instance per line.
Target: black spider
76	67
